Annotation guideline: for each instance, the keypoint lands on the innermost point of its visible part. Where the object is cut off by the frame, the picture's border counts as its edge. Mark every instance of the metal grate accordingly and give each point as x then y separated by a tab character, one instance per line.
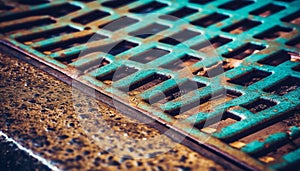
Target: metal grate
258	43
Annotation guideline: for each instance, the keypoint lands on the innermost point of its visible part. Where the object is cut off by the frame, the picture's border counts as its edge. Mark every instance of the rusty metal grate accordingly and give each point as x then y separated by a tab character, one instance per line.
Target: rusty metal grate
257	42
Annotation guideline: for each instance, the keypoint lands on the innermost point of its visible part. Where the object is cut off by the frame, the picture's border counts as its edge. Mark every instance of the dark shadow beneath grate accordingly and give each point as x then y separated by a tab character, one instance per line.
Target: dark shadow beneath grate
90	17
209	20
241	26
295	42
149	7
250	77
31	38
149	30
179	37
176	92
235	5
118	74
88	67
292	18
284	86
215	71
183	62
178	14
117	3
267	10
119	23
149	55
259	105
37	2
4	7
69	43
244	51
201	2
26	25
276	58
147	83
114	48
274	32
54	11
212	44
297	68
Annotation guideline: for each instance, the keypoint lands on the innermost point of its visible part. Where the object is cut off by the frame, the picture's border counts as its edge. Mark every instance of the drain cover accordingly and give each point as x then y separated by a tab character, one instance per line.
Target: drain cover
149	53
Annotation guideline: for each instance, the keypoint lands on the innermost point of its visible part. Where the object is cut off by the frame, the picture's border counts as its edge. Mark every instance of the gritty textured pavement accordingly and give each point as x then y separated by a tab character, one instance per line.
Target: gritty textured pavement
38	113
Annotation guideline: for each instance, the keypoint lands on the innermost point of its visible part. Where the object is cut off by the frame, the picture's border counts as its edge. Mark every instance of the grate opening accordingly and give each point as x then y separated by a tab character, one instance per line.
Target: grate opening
147	8
176	92
149	55
259	105
90	66
276	58
274	32
201	2
185	61
39	2
149	30
119	23
178	14
90	17
235	5
241	26
215	70
284	86
69	43
4	7
216	124
212	44
179	37
117	3
285	0
244	51
36	37
26	25
115	48
294	42
116	75
250	77
297	68
85	0
209	20
205	104
292	18
147	83
267	10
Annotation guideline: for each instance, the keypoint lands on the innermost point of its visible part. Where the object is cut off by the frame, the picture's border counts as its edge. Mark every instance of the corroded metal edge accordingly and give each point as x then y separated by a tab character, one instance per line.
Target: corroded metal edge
213	148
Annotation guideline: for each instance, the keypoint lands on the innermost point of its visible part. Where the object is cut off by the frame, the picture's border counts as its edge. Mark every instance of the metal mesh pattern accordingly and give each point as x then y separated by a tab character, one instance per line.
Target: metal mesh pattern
258	43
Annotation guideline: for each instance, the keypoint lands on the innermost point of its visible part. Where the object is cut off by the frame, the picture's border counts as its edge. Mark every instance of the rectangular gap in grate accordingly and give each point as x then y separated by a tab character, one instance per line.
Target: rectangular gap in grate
68	59
90	17
149	30
39	2
205	104
276	58
274	32
176	92
250	77
179	37
241	26
26	25
297	68
4	7
284	86
149	7
211	44
259	105
119	23
36	37
86	1
178	14
235	5
216	124
267	10
215	70
149	55
69	43
295	42
184	61
54	11
201	2
293	18
115	48
244	51
209	19
117	3
147	83
121	72
90	66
